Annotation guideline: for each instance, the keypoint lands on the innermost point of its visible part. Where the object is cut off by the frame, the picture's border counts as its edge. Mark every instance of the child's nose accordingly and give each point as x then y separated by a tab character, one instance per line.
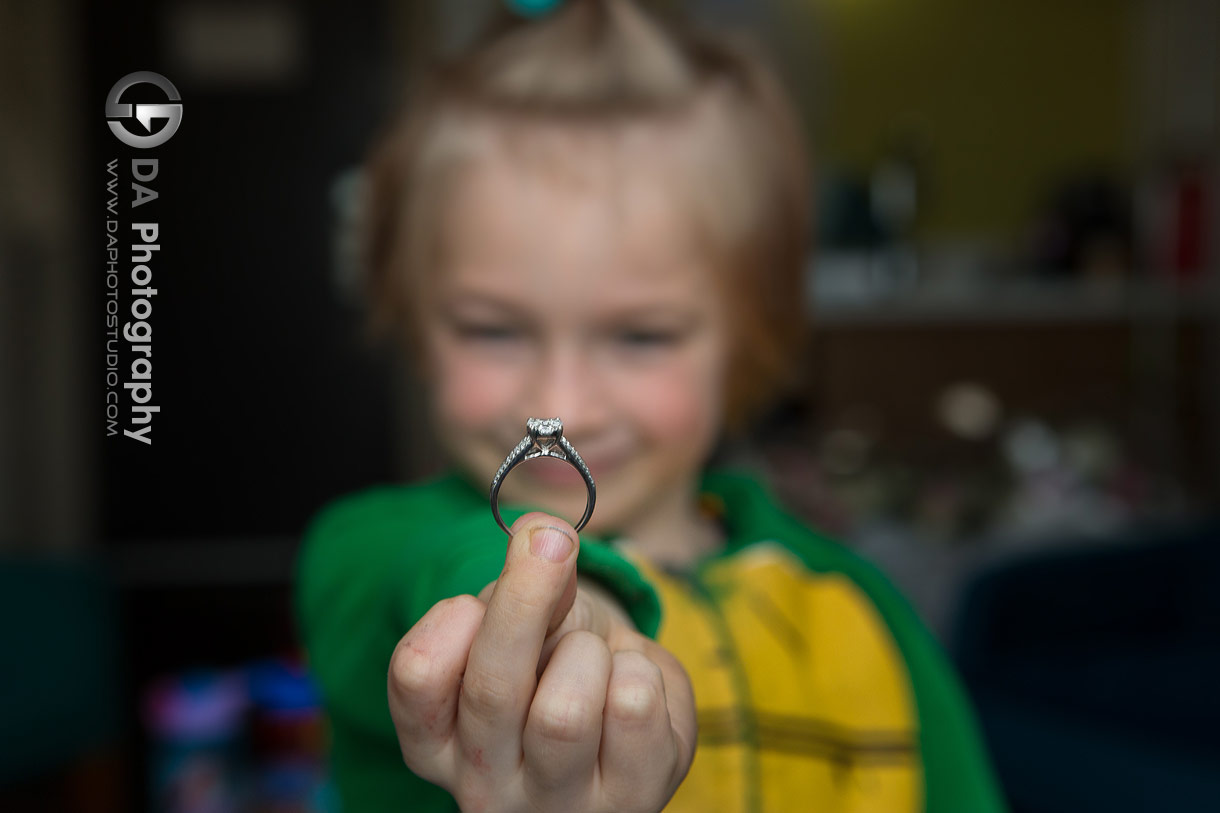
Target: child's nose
569	387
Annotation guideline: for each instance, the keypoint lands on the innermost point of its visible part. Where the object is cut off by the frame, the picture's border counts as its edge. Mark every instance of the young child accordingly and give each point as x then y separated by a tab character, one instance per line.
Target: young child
598	216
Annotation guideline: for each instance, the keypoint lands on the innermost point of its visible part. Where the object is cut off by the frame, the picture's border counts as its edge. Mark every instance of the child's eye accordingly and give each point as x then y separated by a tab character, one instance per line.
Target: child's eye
647	338
488	332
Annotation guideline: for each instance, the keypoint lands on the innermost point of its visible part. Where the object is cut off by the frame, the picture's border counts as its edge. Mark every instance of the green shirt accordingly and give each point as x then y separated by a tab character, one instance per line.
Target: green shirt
753	624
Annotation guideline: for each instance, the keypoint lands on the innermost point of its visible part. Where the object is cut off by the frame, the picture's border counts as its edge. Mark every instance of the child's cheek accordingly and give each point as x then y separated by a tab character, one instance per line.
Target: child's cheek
472	395
682	406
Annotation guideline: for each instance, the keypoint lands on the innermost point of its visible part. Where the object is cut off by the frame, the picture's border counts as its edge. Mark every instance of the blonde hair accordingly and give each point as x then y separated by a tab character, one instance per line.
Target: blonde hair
608	64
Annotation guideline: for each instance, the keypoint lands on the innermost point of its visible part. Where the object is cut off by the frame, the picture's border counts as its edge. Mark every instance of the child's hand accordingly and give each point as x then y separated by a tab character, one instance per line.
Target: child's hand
540	695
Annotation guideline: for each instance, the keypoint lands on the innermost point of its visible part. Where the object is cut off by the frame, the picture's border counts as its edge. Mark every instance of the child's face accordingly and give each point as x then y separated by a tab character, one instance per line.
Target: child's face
576	292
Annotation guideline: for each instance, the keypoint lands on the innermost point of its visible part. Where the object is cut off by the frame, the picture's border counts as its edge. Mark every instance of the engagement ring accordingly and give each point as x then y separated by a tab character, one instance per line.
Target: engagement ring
544	438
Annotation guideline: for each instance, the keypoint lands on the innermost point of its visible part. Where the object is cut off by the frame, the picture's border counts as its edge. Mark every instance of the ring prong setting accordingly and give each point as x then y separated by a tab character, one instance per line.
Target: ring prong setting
545	432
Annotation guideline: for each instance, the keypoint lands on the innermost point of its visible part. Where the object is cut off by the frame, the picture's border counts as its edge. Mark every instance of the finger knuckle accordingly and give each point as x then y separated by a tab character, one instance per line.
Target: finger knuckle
413	671
565	717
635	698
487	695
590	646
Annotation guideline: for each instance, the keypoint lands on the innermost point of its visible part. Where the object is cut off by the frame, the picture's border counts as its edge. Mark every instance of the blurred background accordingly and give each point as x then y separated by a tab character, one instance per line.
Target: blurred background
1010	401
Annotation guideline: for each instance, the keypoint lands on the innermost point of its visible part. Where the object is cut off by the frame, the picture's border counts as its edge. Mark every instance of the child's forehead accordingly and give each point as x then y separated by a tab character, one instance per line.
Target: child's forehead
621	209
582	191
508	240
622	238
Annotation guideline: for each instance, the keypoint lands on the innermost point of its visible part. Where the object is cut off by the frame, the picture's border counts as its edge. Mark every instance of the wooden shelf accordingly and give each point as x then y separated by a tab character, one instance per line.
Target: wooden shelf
1010	302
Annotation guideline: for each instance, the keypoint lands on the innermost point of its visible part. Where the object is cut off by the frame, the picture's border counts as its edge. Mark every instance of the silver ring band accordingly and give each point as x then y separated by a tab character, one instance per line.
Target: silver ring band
543	438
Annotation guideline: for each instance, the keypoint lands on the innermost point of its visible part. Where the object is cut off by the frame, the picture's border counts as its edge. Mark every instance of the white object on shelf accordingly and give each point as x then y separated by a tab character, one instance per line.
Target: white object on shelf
842	291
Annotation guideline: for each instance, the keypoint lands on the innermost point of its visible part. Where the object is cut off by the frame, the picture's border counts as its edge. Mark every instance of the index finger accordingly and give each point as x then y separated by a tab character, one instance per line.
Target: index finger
501	671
